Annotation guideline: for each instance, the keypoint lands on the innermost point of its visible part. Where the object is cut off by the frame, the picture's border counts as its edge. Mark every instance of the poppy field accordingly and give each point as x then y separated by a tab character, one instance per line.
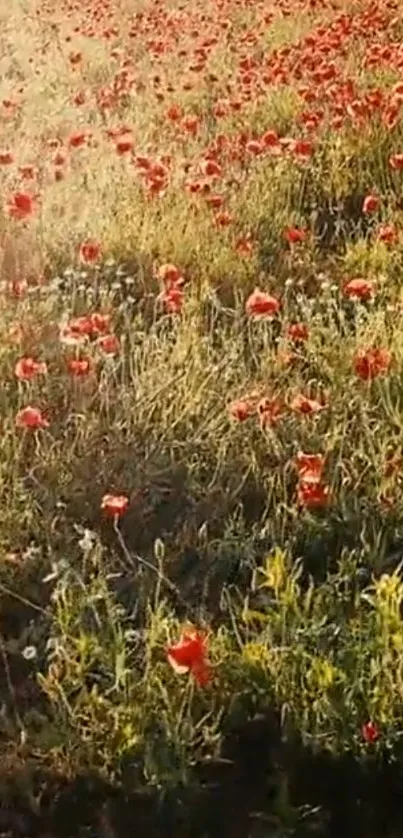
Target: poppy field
201	459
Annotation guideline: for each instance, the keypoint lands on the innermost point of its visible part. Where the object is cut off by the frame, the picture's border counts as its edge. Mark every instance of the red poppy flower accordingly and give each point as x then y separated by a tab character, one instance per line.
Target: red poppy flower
32	418
310	467
190	125
396	161
312	495
298	331
90	251
388	233
77	139
109	344
241	409
369	363
100	323
270	139
254	147
260	304
294	235
189	655
302	404
172	299
174	113
79	98
371	204
20	205
302	148
26	369
397	91
123	145
143	163
114	505
359	289
79	367
76	330
223	219
6	157
370	732
214	201
211	168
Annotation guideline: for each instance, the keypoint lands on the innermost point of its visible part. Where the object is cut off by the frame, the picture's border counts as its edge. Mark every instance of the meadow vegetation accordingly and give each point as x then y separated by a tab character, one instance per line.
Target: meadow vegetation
201	356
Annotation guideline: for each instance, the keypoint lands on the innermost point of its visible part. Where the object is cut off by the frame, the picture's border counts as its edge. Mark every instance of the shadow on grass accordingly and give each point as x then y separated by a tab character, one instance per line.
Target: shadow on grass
260	787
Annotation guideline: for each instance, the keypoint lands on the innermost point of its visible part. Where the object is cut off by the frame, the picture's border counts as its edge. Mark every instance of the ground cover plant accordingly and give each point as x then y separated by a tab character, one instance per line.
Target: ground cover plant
201	355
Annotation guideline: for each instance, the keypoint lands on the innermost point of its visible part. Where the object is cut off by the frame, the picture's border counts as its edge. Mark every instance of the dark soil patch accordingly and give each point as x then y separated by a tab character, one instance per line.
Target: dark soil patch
259	788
